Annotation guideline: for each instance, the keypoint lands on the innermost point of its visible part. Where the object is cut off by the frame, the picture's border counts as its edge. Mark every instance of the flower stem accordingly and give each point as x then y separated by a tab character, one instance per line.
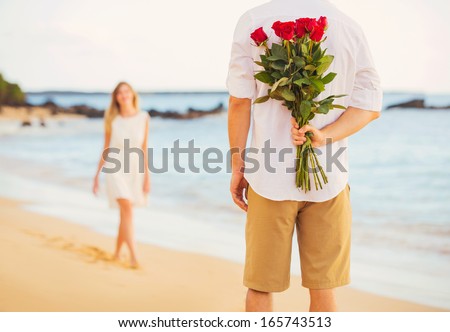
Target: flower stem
313	168
324	177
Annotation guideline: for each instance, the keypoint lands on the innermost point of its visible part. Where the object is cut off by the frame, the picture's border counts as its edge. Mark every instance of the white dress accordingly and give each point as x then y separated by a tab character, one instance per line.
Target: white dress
127	181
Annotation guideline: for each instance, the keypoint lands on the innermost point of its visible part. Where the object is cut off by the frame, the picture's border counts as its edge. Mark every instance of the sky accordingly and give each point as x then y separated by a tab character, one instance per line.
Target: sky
184	45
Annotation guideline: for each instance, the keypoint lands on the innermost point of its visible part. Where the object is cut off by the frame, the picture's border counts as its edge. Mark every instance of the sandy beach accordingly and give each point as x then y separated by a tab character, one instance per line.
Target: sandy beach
49	264
33	113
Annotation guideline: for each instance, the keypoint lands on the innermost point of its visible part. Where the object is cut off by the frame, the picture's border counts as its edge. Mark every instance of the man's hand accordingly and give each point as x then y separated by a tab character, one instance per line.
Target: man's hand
298	134
239	112
237	187
350	122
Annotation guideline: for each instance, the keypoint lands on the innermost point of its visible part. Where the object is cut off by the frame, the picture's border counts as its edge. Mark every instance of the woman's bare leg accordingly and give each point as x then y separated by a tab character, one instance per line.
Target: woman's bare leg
126	231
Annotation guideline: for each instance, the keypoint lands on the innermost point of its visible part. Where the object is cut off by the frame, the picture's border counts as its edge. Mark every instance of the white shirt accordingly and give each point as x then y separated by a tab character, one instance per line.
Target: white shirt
356	77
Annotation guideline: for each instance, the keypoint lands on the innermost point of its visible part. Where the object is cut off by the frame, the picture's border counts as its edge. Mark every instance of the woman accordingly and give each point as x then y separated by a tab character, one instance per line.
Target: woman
126	128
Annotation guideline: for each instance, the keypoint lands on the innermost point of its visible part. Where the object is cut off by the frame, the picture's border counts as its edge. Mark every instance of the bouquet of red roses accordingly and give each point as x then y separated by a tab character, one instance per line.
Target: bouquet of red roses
294	70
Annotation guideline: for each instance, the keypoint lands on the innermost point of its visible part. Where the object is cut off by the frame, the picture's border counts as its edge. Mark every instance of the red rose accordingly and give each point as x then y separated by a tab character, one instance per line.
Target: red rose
284	30
276	28
259	36
305	25
317	33
310	23
323	22
300	27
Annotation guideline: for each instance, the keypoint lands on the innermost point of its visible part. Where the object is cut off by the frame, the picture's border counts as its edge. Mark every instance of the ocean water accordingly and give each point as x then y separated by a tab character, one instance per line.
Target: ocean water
180	102
399	177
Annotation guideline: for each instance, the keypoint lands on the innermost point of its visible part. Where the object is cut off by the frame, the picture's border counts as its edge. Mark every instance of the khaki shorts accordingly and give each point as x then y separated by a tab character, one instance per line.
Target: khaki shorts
323	236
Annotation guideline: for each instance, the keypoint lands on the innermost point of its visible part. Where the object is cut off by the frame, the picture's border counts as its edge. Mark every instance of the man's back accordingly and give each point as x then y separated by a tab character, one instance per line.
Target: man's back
356	77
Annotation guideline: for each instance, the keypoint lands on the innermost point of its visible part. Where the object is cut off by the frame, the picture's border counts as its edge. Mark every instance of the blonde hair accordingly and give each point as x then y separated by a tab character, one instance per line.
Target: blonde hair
114	107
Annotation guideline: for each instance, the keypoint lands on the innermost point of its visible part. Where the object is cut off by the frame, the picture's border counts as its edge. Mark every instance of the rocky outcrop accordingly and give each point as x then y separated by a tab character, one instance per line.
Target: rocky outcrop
91	112
190	114
88	111
85	110
416	103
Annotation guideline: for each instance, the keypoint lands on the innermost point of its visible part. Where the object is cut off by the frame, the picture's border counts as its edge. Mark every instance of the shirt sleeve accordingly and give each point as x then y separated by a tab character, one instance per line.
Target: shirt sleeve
367	93
240	80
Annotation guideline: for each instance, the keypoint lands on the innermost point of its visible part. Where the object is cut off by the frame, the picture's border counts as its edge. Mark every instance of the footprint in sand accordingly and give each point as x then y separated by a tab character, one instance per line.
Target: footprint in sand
89	253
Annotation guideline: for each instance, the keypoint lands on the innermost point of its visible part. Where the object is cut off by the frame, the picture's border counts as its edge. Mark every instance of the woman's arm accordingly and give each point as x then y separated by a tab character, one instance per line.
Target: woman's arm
101	162
145	150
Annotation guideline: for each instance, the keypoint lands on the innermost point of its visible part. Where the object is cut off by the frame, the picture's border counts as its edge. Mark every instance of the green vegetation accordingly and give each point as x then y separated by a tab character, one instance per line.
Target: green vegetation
10	93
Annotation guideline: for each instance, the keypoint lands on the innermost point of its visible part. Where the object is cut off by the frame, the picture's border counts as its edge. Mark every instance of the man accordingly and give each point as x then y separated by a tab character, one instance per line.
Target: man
275	206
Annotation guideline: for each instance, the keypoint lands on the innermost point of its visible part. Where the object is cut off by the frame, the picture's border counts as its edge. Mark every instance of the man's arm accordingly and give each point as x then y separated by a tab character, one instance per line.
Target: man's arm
350	122
239	112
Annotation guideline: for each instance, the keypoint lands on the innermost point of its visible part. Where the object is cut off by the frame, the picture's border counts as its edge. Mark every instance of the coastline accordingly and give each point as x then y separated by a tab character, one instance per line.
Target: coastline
33	113
44	255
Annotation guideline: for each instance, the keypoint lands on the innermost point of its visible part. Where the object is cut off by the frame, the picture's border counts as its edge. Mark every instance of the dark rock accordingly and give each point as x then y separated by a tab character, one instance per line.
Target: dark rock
417	103
49	104
26	123
191	113
90	112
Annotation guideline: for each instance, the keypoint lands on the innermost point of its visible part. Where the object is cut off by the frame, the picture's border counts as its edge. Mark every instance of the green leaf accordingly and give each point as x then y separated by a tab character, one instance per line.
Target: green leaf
285	81
326	101
276	58
279	51
276	95
323	68
261	100
305	109
301	81
276	75
259	63
315	47
282	81
299	62
327	59
310	67
323	109
288	94
328	78
316	83
305	49
278	65
339	106
264	77
317	54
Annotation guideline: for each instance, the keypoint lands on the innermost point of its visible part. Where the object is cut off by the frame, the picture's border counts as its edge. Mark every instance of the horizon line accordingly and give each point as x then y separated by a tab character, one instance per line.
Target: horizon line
51	91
